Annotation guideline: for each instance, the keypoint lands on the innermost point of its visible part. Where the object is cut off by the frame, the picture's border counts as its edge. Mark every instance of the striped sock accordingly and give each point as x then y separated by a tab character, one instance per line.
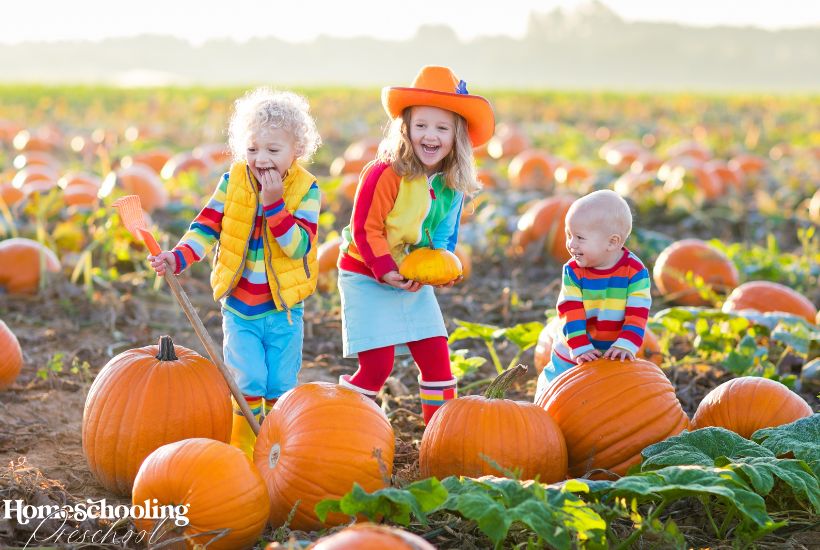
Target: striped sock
435	394
255	404
269	403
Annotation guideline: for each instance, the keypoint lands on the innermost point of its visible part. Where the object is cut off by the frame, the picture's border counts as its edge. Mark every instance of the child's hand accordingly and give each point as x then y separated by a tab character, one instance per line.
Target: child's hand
588	356
396	280
272	188
618	353
161	261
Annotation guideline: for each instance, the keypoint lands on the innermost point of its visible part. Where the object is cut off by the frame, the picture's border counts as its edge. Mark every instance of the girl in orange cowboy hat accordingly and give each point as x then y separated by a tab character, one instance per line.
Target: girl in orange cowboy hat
411	194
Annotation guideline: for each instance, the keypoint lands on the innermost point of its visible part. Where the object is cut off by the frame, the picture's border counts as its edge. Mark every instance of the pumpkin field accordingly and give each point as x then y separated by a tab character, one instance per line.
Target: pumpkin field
709	439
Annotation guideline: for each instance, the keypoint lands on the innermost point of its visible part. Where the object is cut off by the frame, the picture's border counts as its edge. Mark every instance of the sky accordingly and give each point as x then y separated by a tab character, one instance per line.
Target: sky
304	20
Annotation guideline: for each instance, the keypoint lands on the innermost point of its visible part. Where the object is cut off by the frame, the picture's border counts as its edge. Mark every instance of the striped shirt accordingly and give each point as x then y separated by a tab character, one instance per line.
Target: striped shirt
252	298
602	308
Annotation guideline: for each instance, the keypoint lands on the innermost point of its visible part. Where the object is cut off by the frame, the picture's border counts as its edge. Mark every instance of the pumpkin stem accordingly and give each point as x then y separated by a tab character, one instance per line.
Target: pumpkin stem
429	238
501	384
166	349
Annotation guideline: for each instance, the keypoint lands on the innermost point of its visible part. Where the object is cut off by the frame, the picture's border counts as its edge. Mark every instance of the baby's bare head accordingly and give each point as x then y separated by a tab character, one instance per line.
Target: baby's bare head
607	209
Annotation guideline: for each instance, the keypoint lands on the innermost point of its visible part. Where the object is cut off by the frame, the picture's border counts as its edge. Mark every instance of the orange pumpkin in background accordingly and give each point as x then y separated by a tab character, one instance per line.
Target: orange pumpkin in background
11	357
218	487
531	169
765	296
621	154
155	159
516	435
689	149
22	263
183	163
10	195
327	256
544	219
355	157
315	443
348	186
370	536
139	179
486	178
508	141
696	257
609	411
749	403
748	164
144	398
465	255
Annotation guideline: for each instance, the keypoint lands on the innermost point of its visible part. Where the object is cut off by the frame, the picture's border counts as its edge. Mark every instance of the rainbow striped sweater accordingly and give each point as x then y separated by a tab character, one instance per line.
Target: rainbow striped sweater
393	216
251	298
601	308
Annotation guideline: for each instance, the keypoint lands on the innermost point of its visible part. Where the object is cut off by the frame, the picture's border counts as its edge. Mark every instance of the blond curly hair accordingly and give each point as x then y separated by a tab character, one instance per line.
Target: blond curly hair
263	109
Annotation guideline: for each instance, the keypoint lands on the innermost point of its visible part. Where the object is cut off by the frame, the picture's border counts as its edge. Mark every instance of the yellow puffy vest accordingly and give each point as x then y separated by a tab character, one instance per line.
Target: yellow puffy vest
291	281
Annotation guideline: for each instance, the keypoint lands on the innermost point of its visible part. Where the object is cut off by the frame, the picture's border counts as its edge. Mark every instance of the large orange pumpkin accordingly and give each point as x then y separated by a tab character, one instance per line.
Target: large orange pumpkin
609	411
766	296
749	403
147	397
315	443
369	536
22	262
214	485
544	219
531	169
697	257
516	435
11	357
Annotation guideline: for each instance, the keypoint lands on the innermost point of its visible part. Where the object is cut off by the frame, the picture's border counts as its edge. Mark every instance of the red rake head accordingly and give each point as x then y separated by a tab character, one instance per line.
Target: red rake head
131	214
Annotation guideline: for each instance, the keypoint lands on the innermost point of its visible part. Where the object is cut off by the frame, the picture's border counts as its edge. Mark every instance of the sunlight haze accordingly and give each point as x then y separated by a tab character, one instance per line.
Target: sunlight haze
197	22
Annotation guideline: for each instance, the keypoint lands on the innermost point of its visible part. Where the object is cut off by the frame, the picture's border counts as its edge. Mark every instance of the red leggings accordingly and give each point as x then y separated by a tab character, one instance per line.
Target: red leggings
431	355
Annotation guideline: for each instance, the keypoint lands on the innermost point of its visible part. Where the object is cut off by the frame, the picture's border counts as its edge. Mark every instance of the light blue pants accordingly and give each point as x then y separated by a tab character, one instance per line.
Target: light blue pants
265	354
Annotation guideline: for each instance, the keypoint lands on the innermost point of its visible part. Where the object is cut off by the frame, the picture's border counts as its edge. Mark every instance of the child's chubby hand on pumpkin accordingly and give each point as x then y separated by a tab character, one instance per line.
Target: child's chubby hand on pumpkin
162	261
618	353
397	280
588	356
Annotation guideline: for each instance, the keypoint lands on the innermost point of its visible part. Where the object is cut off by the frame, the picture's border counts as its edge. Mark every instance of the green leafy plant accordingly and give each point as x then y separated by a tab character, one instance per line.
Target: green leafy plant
557	516
523	336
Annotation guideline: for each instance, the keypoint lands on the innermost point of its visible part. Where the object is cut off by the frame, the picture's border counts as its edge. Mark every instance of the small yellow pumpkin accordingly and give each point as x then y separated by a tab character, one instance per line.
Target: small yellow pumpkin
431	266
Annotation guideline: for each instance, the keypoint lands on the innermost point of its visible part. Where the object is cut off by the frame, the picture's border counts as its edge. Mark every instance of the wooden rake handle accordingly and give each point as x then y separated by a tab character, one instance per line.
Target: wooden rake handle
201	332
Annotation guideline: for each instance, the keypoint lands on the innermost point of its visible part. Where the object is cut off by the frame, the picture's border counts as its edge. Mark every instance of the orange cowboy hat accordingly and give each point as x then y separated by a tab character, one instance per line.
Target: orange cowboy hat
438	87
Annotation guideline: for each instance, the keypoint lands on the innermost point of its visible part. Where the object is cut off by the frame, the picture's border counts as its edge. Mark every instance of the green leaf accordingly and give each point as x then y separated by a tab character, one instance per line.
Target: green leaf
762	473
524	335
472	330
676	482
701	447
491	517
801	438
392	504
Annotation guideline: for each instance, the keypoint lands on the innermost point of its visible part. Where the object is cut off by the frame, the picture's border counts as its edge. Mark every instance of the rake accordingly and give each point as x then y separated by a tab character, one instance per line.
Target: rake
131	213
